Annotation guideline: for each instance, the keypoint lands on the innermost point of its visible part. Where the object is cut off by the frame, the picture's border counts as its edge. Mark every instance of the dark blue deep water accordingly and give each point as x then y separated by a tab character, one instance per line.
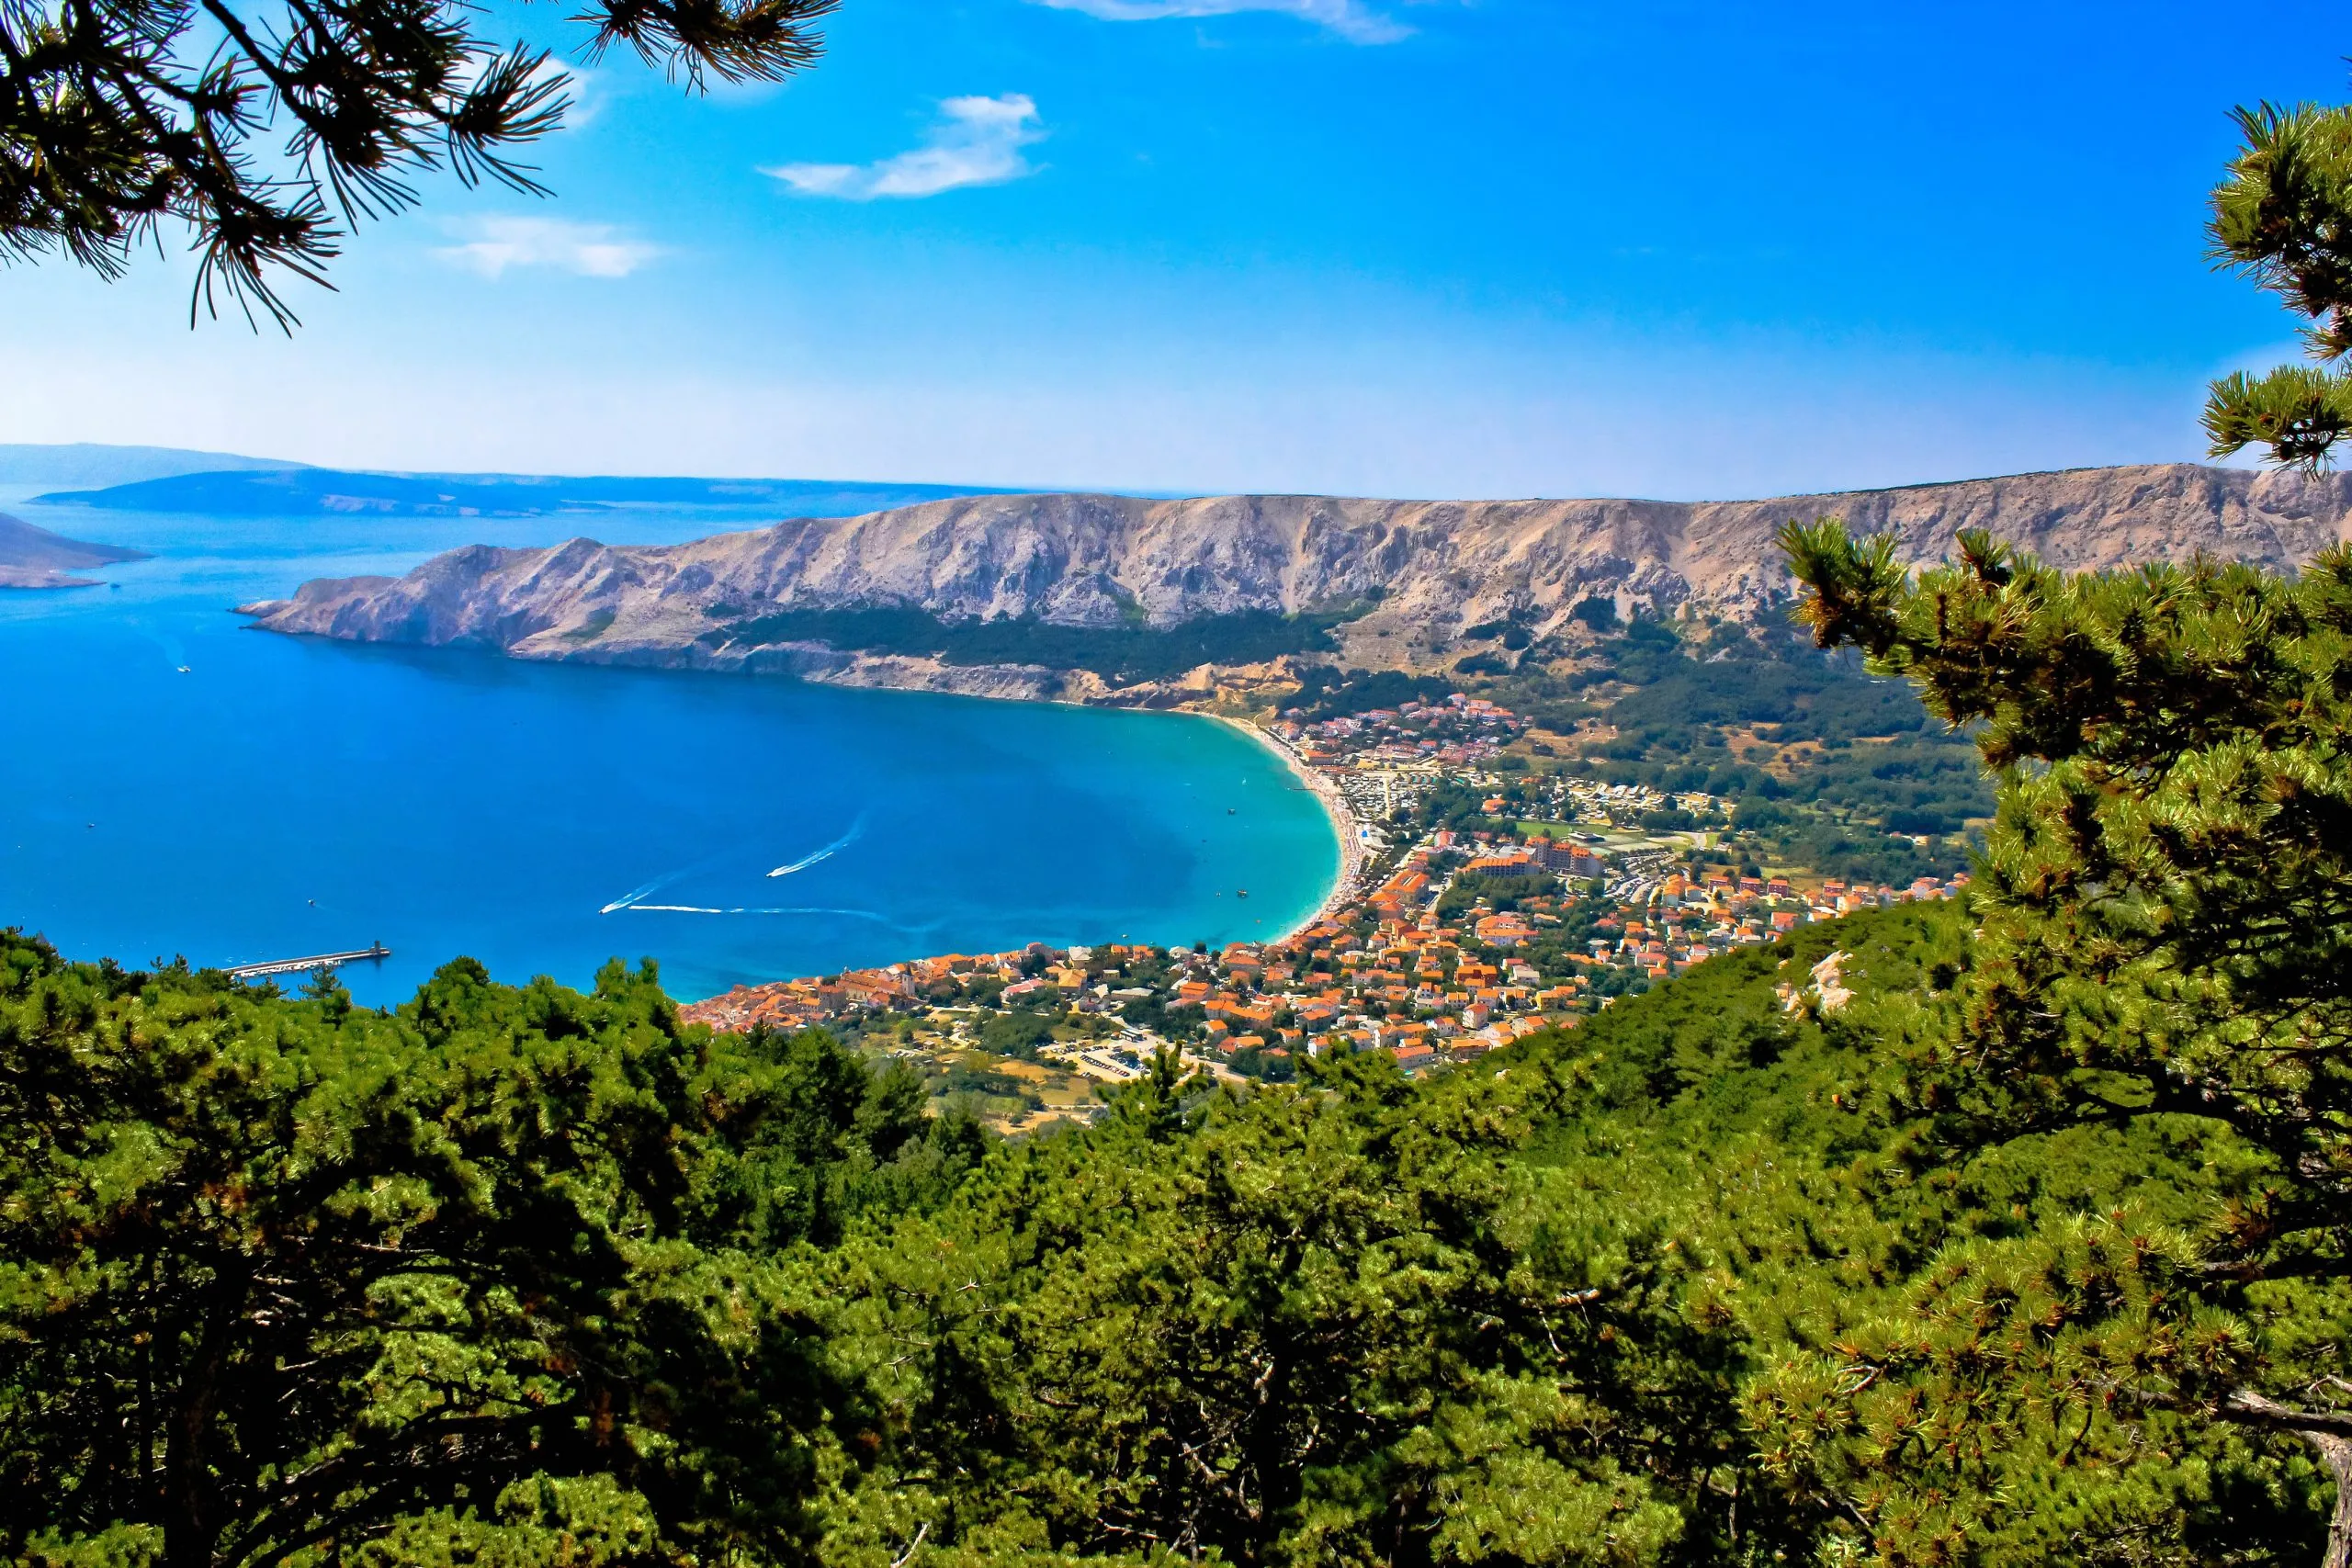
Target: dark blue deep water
286	797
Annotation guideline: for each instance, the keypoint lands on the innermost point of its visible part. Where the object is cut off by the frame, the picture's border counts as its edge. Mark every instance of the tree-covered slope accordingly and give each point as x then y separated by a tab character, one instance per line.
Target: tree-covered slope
507	1269
516	1274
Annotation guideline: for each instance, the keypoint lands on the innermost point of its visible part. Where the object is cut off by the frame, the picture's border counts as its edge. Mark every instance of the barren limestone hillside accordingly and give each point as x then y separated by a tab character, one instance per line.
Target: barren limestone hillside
1105	561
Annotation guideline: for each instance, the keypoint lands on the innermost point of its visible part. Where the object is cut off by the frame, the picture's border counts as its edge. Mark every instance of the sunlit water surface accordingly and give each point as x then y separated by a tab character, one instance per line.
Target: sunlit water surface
173	783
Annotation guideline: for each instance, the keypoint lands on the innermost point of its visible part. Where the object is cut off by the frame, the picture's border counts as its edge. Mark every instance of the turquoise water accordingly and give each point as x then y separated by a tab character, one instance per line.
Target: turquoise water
285	796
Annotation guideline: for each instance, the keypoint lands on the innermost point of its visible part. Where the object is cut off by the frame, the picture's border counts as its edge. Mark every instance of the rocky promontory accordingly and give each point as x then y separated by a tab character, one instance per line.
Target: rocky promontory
35	558
1414	574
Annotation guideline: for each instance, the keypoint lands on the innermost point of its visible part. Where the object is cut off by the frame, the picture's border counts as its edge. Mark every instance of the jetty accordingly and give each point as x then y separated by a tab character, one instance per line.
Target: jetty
375	950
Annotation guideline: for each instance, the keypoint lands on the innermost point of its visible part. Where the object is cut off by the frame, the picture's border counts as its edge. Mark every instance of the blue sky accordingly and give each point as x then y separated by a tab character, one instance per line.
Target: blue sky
1413	247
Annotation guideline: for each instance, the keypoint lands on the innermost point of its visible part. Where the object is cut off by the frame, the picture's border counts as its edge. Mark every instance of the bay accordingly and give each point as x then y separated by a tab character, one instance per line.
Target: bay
171	783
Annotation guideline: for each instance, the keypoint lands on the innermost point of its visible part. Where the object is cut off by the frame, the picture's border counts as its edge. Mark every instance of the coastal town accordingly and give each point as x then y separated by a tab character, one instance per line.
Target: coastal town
1440	942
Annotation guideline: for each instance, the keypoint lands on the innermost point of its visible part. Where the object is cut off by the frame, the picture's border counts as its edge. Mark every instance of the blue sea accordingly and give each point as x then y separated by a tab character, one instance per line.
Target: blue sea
171	783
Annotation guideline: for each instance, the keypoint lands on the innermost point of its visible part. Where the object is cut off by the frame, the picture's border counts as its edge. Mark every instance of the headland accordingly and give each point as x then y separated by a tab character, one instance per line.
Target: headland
35	557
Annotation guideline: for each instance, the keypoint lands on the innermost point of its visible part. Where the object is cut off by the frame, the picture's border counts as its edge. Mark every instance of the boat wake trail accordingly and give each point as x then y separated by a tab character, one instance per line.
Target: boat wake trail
628	901
707	910
636	898
845	841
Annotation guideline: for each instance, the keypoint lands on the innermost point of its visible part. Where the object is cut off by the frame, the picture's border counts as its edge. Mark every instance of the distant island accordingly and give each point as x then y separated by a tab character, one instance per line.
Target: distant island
35	558
91	463
244	490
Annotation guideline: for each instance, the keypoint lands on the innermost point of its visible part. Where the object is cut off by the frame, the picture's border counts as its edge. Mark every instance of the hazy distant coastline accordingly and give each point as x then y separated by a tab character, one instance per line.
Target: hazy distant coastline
294	491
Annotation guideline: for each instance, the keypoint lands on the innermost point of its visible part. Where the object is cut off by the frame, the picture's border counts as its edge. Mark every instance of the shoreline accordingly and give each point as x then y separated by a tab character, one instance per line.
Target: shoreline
1336	809
1344	887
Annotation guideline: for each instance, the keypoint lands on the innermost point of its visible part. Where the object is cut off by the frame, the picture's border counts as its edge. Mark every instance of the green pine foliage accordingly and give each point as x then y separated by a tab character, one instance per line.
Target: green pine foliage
280	1276
2160	970
1730	1274
1121	654
123	119
2279	220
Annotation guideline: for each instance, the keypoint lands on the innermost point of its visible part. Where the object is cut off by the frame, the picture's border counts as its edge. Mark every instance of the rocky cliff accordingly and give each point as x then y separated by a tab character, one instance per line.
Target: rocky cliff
1435	567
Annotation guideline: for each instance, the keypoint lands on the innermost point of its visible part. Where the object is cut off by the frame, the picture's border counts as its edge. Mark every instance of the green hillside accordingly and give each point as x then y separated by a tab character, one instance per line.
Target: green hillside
537	1276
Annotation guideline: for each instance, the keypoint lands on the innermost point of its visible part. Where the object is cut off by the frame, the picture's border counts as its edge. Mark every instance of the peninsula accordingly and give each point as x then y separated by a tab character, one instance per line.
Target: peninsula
1119	599
35	558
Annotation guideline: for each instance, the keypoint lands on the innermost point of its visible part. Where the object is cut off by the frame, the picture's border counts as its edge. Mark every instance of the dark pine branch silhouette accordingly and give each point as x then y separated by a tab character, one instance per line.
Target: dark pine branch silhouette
119	118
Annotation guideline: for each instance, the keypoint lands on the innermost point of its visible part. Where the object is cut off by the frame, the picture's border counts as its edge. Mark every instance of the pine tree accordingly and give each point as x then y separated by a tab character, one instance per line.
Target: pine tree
119	116
2284	218
2163	960
493	1278
2165	954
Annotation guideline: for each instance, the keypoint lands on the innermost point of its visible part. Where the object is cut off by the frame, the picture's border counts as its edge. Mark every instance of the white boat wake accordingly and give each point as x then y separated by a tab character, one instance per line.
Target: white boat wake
845	841
628	901
636	898
707	910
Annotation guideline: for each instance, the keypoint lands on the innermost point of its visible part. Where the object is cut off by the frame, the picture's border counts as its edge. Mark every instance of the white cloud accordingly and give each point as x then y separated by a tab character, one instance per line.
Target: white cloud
1351	19
588	250
978	141
588	91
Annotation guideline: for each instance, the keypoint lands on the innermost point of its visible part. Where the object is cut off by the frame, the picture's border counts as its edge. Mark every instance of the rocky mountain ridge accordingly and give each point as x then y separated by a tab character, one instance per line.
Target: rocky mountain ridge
1434	568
